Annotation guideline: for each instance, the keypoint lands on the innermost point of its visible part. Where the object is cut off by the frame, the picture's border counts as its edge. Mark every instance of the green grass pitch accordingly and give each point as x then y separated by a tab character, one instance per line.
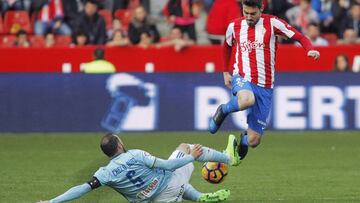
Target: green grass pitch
286	167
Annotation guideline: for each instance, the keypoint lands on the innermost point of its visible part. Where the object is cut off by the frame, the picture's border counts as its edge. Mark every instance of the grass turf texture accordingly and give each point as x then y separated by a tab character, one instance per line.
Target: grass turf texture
287	166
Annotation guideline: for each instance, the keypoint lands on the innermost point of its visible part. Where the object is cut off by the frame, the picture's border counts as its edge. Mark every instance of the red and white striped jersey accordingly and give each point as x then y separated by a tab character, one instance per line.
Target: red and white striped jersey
256	47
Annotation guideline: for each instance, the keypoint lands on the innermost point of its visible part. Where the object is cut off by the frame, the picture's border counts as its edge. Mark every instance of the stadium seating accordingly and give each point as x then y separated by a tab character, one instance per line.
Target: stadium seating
7	41
106	14
37	41
125	16
1	25
330	37
62	41
16	20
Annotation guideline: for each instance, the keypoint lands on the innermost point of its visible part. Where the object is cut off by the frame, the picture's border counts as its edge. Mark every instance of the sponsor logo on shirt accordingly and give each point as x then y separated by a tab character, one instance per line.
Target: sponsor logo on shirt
148	191
249	46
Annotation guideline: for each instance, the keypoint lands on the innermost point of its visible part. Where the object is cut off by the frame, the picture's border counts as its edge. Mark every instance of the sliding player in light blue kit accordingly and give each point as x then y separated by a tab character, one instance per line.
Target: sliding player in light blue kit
141	177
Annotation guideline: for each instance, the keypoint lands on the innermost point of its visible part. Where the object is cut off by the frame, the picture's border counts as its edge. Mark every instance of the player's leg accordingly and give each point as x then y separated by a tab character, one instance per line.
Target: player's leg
229	156
257	120
242	97
178	187
193	195
248	138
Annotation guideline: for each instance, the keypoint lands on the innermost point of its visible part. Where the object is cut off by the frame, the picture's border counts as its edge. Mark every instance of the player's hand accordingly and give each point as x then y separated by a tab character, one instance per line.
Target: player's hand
45	201
196	152
227	79
314	54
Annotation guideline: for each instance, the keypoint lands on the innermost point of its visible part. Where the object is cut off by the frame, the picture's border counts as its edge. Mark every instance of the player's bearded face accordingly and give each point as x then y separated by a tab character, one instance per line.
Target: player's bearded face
252	14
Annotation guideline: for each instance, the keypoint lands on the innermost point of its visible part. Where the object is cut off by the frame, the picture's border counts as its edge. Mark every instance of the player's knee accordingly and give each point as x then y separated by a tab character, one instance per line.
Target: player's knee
246	100
254	140
253	143
184	148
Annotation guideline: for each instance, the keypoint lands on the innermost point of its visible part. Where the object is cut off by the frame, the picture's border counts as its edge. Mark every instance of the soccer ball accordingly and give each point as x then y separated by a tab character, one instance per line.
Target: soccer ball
214	172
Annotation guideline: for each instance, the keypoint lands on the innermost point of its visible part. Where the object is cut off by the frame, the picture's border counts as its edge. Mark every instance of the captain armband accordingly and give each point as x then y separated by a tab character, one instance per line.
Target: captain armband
94	183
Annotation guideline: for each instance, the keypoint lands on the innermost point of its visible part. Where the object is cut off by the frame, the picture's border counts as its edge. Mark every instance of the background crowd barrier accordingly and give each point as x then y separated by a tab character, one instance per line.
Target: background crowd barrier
168	102
134	59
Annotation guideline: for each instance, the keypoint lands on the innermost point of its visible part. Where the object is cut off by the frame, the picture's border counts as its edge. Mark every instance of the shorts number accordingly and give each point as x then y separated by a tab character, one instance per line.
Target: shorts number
138	182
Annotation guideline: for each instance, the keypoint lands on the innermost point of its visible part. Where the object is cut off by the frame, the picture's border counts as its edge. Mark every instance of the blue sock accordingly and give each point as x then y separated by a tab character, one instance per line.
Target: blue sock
191	193
212	155
232	105
244	140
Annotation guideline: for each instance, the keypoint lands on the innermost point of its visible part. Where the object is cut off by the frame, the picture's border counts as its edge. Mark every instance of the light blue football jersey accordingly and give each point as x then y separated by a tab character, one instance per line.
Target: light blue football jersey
132	175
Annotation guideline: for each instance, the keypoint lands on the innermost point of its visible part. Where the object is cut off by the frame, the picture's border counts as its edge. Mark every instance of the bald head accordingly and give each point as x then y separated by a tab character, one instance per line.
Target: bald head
111	144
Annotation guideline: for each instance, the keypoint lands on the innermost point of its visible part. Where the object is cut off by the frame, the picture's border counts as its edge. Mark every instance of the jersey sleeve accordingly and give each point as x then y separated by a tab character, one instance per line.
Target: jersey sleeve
282	28
229	36
144	157
102	175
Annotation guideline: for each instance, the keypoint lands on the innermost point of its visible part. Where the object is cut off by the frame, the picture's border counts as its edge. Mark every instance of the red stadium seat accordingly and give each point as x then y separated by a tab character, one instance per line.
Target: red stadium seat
63	41
1	25
125	16
16	20
106	14
330	37
37	41
7	40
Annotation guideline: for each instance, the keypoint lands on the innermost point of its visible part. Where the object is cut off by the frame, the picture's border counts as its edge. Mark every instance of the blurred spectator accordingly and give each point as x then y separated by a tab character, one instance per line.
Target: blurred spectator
341	63
99	65
131	4
302	15
208	5
80	38
279	7
118	39
349	37
352	20
176	39
92	23
106	4
182	14
116	25
141	24
221	14
22	39
6	5
145	40
72	10
339	10
49	40
50	18
313	32
324	10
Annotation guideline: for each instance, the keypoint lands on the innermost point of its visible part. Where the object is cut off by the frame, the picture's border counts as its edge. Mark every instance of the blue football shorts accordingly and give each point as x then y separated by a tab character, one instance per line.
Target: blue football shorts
258	114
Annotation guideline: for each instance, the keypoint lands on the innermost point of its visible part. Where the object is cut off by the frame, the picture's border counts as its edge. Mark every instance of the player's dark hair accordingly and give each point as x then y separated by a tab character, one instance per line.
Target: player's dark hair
253	3
109	144
95	2
21	32
99	53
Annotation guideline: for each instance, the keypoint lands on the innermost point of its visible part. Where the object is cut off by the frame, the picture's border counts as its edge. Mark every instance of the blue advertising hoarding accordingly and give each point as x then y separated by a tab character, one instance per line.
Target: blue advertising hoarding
168	102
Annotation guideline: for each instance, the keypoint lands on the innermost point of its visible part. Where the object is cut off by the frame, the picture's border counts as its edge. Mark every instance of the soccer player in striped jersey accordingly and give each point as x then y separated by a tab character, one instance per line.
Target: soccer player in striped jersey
141	177
253	37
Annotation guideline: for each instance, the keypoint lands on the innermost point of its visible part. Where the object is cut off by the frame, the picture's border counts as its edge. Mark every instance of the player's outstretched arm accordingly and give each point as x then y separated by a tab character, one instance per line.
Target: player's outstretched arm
173	164
284	29
71	194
